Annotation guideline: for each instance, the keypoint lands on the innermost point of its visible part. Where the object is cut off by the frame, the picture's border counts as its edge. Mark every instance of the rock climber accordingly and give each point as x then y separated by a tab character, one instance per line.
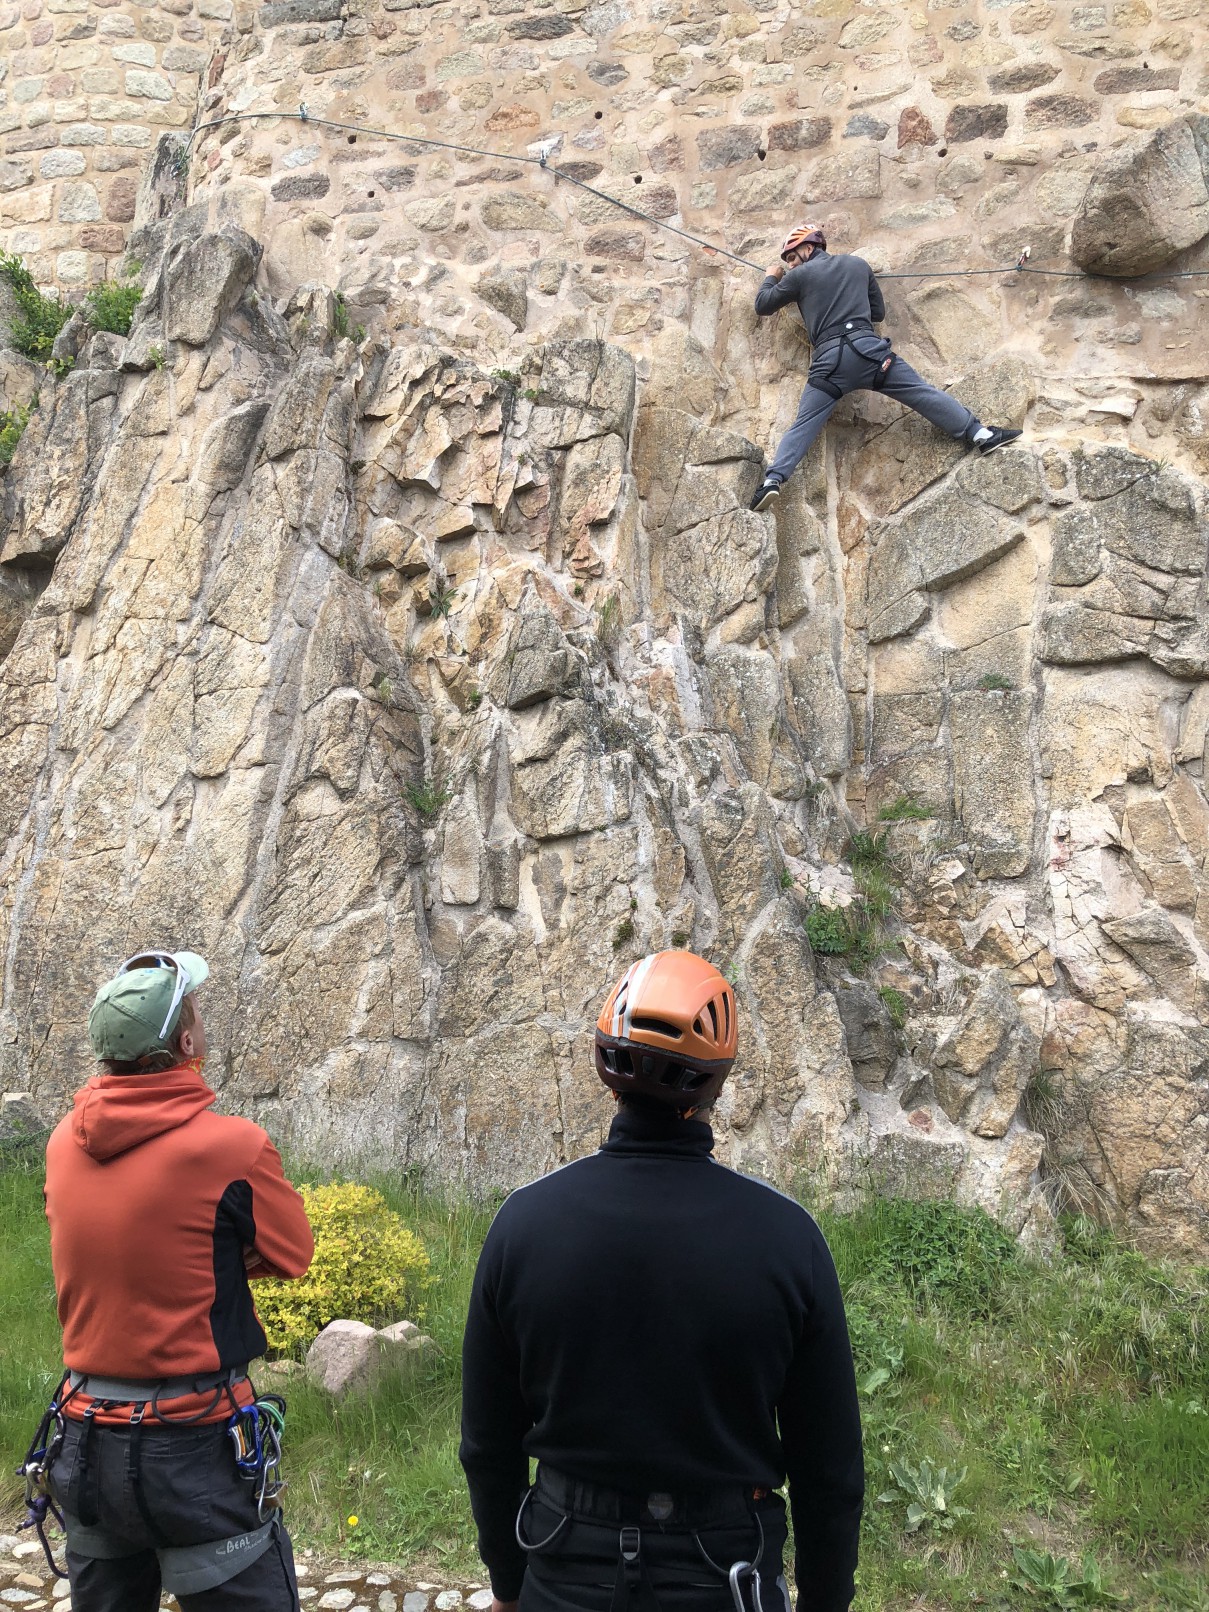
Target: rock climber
160	1210
840	302
667	1338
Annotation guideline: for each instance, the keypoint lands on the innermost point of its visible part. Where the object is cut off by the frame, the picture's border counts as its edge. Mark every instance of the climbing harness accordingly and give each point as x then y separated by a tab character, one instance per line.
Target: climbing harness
255	1431
633	1587
35	1469
824	383
1022	265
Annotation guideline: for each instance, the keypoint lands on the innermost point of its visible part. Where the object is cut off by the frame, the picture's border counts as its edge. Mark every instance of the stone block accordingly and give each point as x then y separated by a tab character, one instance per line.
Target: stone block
868	1031
976	123
79	203
1021	77
148	86
619	245
545	25
723	148
120	199
62	164
981	1068
20	1119
915	128
516	211
301	187
851	176
1136	80
506	291
799	134
1059	112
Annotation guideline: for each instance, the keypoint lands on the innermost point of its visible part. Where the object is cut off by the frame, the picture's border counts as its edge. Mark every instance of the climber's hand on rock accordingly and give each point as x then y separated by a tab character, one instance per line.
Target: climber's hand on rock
777	270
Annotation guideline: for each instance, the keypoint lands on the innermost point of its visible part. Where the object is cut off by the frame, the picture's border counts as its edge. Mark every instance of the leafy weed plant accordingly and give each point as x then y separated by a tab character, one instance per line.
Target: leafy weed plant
40	317
12	428
928	1491
1055	1581
110	306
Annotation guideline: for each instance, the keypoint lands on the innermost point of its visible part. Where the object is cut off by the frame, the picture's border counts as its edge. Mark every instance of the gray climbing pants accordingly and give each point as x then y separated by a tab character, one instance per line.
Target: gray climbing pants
853	367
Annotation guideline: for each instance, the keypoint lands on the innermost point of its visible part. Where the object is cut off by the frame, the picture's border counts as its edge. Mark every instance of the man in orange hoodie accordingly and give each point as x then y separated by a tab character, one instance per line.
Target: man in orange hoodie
160	1210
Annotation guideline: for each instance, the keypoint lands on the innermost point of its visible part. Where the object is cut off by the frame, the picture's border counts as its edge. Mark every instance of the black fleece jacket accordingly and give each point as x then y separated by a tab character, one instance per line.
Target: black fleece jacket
646	1319
829	291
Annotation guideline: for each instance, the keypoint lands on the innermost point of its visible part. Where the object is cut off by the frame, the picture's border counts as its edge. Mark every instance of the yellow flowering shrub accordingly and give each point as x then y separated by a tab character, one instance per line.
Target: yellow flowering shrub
367	1267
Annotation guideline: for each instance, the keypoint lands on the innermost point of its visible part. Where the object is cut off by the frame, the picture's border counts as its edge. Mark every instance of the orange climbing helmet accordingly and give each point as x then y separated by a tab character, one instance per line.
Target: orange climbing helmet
803	235
667	1031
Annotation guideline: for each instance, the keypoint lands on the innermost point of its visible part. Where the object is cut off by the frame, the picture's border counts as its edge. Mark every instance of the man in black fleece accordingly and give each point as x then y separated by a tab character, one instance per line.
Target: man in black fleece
667	1338
840	302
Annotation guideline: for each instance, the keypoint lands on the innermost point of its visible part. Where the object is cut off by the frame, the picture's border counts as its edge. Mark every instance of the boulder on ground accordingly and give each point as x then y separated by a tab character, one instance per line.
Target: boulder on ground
351	1357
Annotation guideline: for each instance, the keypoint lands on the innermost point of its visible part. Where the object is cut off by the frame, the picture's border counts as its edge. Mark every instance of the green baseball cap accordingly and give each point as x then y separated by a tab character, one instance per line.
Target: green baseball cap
138	1009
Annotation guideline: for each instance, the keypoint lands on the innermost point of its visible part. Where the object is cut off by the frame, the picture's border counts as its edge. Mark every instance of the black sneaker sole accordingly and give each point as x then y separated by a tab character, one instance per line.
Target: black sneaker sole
1004	442
762	504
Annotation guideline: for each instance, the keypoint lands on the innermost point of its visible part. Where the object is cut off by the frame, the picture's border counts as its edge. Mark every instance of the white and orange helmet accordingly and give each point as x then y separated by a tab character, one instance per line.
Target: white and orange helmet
803	235
667	1031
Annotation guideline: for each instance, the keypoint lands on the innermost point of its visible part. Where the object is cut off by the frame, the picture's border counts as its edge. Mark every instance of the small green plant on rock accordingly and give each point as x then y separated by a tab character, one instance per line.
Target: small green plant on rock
426	798
1055	1581
827	931
441	597
12	426
928	1490
895	1004
508	376
786	879
623	934
339	325
40	318
110	306
904	809
157	356
993	682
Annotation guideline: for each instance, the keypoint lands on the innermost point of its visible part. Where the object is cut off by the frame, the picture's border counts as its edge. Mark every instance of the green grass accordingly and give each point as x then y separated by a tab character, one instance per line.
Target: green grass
1067	1401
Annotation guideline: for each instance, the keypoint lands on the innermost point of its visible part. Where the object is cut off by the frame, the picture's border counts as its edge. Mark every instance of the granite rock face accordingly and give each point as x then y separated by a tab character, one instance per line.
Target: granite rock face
423	697
384	616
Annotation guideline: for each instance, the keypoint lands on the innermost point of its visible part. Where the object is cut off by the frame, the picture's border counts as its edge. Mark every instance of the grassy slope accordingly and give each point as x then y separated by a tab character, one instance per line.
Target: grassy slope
1076	1395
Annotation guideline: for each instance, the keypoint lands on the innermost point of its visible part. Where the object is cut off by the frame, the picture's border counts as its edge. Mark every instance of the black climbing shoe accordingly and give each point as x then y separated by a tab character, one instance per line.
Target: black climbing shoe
999	435
764	494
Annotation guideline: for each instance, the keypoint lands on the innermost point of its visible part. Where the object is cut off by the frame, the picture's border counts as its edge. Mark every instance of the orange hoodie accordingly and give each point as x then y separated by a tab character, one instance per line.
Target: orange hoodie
159	1212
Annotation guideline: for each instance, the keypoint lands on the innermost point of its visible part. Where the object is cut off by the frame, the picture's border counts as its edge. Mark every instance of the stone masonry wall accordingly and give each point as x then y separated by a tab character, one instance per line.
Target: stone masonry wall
85	85
929	137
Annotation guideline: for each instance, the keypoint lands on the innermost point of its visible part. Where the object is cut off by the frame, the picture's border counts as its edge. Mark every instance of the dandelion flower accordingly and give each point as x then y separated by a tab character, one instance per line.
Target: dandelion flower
353	1521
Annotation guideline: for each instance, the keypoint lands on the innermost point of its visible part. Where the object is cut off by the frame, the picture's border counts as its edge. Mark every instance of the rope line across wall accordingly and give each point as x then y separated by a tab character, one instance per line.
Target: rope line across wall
1021	266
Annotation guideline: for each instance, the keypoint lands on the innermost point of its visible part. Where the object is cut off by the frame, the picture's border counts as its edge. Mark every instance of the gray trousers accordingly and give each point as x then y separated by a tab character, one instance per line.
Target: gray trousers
192	1493
852	367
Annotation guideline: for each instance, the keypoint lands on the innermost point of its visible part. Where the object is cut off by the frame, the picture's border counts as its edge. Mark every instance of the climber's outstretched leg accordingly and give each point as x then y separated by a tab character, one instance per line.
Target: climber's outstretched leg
905	385
797	442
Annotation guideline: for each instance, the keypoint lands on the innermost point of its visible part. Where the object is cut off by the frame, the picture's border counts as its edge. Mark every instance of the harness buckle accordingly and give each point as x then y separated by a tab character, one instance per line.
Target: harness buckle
630	1541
